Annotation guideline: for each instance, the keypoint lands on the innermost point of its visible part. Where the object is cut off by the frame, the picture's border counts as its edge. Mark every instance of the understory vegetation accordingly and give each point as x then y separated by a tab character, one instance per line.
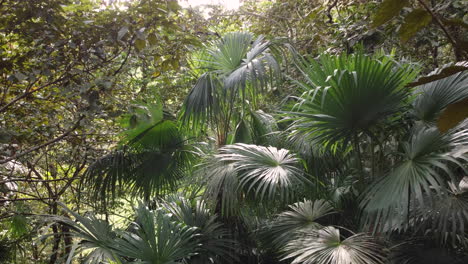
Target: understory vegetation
315	132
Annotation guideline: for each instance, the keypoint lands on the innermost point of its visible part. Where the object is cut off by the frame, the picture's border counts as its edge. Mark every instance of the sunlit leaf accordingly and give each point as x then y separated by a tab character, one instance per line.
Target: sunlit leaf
387	10
413	22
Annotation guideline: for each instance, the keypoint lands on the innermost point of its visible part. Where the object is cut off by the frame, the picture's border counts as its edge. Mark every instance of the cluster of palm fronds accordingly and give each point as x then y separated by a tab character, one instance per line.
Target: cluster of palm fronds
359	168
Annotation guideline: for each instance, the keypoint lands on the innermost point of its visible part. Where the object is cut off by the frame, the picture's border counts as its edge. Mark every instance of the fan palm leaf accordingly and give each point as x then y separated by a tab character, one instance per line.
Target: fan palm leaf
300	216
154	237
427	161
96	238
348	94
238	68
151	158
266	173
325	246
446	218
432	98
215	246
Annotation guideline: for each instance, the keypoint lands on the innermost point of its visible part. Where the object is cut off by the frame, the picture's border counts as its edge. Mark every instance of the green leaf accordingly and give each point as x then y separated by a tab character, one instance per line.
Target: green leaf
414	21
327	246
387	10
133	121
175	64
152	39
18	226
20	76
140	44
156	74
242	133
122	32
431	99
173	5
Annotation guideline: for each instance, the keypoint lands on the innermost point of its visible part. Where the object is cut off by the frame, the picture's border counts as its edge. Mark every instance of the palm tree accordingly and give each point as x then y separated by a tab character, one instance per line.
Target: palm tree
360	108
243	171
237	68
152	156
173	232
326	246
362	151
347	96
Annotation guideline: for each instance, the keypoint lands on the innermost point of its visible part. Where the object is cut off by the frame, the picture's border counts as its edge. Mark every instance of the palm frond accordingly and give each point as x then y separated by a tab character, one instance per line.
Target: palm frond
348	94
267	172
237	69
202	103
215	245
241	171
300	216
423	170
325	246
446	218
432	98
151	159
155	238
222	185
96	237
263	127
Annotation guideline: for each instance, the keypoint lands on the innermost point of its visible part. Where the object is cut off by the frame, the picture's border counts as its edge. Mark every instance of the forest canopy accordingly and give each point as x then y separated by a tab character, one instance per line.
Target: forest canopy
293	131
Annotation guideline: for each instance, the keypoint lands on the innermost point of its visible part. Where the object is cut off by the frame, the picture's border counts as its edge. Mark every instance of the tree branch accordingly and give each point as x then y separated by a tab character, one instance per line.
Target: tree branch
441	25
52	141
3	108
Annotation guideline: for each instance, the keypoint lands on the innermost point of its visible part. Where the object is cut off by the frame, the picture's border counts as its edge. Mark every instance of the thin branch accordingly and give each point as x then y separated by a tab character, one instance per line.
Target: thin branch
330	7
29	92
32	180
126	57
52	141
26	199
439	22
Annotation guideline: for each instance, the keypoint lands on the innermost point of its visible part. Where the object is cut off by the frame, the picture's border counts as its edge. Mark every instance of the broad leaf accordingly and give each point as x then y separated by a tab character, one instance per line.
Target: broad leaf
388	10
414	21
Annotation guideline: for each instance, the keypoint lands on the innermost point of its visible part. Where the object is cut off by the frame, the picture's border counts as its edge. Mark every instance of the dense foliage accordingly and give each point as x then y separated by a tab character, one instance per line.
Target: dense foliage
280	132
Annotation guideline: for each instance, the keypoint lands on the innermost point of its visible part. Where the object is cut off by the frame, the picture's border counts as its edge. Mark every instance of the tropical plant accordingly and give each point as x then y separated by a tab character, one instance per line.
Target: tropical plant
174	231
300	217
214	240
327	246
345	96
434	97
426	159
264	173
237	68
359	169
151	158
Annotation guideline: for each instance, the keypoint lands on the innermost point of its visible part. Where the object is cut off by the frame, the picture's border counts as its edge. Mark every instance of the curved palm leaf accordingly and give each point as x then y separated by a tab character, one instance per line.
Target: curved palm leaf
446	218
325	246
223	187
264	128
432	98
268	172
153	238
300	216
96	238
348	94
240	170
237	69
152	157
425	164
213	239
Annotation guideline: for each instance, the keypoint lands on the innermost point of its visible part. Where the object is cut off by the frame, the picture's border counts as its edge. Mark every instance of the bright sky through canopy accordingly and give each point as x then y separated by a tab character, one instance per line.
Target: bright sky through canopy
228	4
